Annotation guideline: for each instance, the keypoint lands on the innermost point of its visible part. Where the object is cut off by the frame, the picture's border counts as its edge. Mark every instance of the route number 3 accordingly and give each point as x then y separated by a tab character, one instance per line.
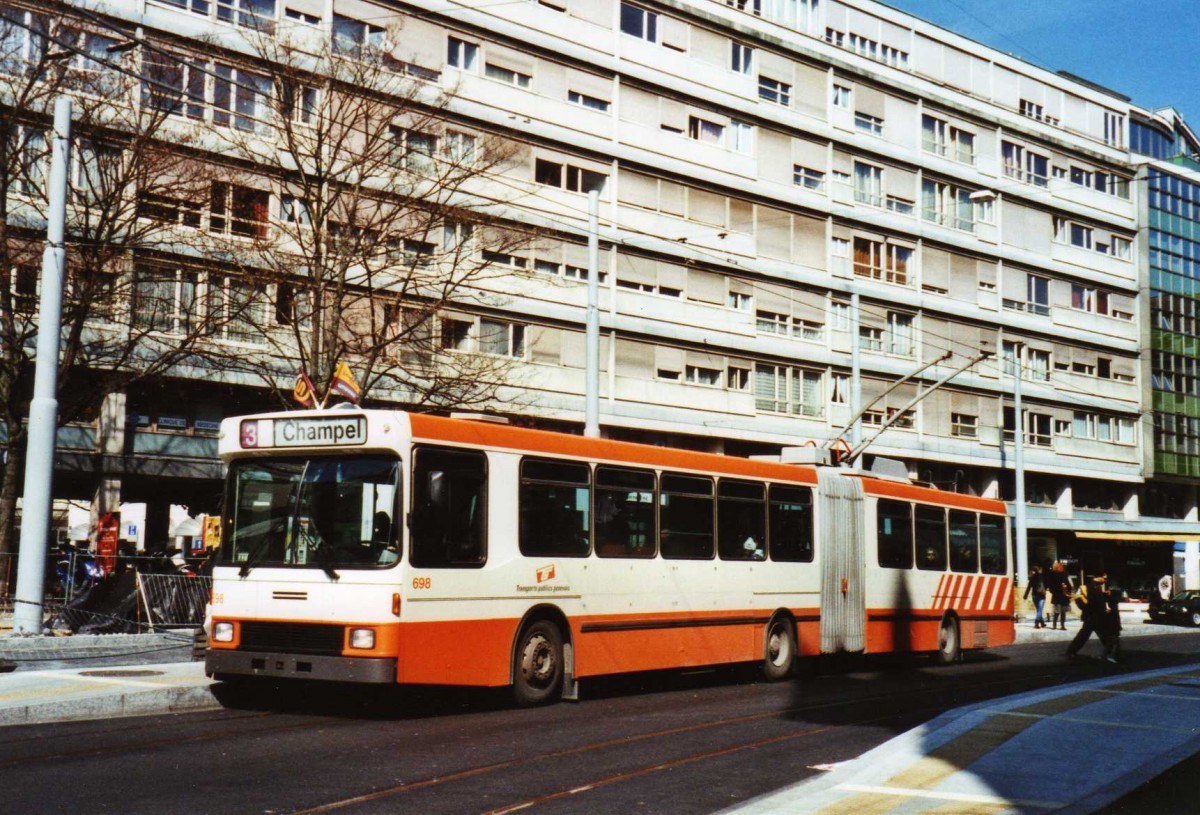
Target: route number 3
422	583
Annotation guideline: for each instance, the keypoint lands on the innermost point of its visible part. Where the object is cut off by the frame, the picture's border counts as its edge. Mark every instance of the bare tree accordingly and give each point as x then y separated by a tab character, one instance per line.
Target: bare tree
138	186
384	229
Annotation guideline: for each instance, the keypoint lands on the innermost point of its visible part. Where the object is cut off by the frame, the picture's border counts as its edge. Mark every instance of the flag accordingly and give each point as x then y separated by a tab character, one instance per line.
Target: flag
343	383
304	392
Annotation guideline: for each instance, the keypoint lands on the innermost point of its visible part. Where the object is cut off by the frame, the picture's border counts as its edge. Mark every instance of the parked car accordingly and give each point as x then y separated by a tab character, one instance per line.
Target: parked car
1184	608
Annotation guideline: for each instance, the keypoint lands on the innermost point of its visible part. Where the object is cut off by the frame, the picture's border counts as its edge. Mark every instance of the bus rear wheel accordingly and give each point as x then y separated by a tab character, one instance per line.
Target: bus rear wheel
538	664
949	642
779	649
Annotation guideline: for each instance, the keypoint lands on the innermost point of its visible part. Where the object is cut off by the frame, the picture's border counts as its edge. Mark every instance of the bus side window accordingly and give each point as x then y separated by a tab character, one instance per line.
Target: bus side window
894	534
931	538
554	504
624	513
791	524
964	541
686	516
448	523
993	544
741	520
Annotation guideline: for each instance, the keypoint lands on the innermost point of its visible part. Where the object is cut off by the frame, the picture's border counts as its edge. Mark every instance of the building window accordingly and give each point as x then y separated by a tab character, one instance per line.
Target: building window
737	378
639	22
870	339
942	139
739	301
741	60
568	177
1087	298
772	90
868	184
1114	129
238	211
698	375
1037	296
507	75
236	309
741	137
239	98
298	103
841	97
948	205
964	425
882	261
462	55
294	210
781	389
705	131
808	178
460	149
164	299
868	124
501	338
413	150
1025	165
839	316
900	334
351	36
583	100
1036	111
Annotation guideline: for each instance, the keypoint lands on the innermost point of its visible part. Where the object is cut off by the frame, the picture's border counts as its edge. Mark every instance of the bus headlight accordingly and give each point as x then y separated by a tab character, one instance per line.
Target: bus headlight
222	632
362	638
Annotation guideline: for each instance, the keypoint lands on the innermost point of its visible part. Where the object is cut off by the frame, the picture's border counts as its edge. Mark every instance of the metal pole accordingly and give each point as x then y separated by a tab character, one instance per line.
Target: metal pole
591	425
43	409
1022	576
855	374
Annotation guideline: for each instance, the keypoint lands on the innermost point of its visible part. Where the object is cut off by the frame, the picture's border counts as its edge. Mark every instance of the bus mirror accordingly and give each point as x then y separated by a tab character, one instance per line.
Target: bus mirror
437	488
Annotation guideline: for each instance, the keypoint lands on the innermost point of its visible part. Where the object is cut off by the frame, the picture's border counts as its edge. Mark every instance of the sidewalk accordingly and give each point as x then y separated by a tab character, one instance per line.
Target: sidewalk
1069	749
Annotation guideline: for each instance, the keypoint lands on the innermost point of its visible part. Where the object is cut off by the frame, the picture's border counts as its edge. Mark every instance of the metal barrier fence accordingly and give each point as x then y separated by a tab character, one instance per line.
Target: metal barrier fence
141	593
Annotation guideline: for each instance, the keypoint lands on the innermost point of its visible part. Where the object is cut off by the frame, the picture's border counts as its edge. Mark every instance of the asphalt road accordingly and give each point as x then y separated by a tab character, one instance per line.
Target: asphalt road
662	743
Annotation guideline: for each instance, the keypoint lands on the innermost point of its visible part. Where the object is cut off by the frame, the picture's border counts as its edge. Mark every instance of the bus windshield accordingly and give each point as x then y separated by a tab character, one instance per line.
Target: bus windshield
320	512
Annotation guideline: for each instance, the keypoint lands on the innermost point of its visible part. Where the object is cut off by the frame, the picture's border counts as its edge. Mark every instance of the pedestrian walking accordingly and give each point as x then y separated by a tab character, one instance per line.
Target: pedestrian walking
1060	595
1093	602
1037	590
1112	625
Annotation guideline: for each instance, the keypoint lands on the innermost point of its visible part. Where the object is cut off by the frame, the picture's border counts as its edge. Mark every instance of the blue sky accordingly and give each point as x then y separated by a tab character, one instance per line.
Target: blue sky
1144	49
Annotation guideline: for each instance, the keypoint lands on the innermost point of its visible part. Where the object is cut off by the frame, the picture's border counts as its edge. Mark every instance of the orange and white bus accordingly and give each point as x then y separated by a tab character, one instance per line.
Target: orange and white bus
387	547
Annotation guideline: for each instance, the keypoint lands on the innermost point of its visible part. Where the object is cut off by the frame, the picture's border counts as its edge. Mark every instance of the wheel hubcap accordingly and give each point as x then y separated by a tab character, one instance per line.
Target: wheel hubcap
777	646
537	661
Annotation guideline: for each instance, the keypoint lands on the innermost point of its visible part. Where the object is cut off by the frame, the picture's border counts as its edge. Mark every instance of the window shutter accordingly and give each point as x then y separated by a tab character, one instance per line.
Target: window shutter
935	269
811	154
811	89
870	101
706	287
639	106
672	276
545	344
421	42
774	233
674	115
711	47
706	207
635	269
595	85
637	189
668	359
777	299
673	33
775	66
808	243
635	359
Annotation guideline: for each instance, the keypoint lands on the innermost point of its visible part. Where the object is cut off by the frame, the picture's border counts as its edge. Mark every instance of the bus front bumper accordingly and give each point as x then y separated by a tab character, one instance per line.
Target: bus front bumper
218	664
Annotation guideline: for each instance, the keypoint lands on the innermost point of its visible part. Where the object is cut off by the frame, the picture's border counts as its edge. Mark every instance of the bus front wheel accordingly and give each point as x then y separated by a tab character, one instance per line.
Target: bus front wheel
538	664
949	642
779	650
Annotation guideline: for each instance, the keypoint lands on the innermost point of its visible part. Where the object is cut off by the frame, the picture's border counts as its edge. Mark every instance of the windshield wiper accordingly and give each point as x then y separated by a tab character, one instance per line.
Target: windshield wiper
261	548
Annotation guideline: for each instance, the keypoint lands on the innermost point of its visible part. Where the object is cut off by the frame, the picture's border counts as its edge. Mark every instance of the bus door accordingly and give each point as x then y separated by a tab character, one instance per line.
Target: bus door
843	570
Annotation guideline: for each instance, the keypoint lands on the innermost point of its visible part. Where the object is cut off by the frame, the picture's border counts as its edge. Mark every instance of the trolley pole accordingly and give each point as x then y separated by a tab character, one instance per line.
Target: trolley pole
43	409
1022	544
855	373
591	425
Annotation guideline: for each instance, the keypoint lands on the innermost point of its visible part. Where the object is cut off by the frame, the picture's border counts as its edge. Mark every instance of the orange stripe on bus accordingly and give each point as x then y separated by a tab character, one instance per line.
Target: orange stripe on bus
913	492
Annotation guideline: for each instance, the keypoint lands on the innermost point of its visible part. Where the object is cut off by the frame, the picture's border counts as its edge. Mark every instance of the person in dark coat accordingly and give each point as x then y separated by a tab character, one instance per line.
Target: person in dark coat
1060	595
1093	602
1037	590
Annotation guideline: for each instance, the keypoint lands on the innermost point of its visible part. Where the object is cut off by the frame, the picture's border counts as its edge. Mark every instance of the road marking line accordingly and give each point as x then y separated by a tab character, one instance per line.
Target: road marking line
106	680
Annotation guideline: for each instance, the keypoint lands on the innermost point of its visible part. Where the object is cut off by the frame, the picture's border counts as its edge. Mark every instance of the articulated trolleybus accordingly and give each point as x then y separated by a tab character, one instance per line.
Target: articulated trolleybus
378	546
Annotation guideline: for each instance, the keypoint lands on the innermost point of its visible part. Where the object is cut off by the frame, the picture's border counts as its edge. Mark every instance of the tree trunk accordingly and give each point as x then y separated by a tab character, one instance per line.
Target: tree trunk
10	488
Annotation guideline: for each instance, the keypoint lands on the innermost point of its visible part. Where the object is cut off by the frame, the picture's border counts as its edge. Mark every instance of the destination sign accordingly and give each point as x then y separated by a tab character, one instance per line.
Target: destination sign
324	432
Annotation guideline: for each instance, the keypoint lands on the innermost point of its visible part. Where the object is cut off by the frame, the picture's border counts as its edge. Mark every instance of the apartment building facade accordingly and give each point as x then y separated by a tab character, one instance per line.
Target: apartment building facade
801	200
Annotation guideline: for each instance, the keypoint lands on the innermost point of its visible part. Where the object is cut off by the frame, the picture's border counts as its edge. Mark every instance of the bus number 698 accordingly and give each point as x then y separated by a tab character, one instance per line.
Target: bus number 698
422	582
